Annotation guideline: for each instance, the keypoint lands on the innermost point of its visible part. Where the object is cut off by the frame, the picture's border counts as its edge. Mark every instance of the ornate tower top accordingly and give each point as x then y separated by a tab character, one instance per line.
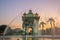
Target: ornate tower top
30	12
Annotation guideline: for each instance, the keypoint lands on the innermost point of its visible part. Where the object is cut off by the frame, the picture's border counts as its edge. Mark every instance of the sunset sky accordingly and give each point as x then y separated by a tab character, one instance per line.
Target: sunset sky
9	9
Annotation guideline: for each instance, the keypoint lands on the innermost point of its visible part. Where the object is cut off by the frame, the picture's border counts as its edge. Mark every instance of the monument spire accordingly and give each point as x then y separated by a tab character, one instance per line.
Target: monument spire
30	12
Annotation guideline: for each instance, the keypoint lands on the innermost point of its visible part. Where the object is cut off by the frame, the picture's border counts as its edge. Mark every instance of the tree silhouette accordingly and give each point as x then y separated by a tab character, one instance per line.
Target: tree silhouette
52	22
2	29
42	24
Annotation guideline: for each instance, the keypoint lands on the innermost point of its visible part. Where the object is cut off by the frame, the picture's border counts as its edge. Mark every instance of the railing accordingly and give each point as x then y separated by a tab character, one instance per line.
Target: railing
33	36
40	37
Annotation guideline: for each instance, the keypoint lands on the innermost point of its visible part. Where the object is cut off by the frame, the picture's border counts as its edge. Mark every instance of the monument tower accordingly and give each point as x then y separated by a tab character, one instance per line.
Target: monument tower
30	20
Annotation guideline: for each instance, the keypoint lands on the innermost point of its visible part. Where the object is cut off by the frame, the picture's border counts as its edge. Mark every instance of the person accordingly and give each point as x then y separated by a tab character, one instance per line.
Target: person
17	39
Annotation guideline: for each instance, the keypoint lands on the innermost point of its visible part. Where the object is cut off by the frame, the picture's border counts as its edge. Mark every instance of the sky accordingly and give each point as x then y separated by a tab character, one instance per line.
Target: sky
9	9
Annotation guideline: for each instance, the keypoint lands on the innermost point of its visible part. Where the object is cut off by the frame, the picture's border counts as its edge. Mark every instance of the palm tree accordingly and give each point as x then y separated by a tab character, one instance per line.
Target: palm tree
42	24
52	23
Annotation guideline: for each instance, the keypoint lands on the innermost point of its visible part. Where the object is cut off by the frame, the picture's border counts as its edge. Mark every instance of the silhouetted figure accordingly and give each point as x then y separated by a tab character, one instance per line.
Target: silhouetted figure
17	39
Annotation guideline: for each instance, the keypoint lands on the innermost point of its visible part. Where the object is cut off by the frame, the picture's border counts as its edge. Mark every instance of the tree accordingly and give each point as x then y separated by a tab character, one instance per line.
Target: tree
52	23
42	24
2	28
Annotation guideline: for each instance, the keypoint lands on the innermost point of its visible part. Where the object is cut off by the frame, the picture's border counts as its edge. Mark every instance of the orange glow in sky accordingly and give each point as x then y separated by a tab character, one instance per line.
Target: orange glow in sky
9	9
